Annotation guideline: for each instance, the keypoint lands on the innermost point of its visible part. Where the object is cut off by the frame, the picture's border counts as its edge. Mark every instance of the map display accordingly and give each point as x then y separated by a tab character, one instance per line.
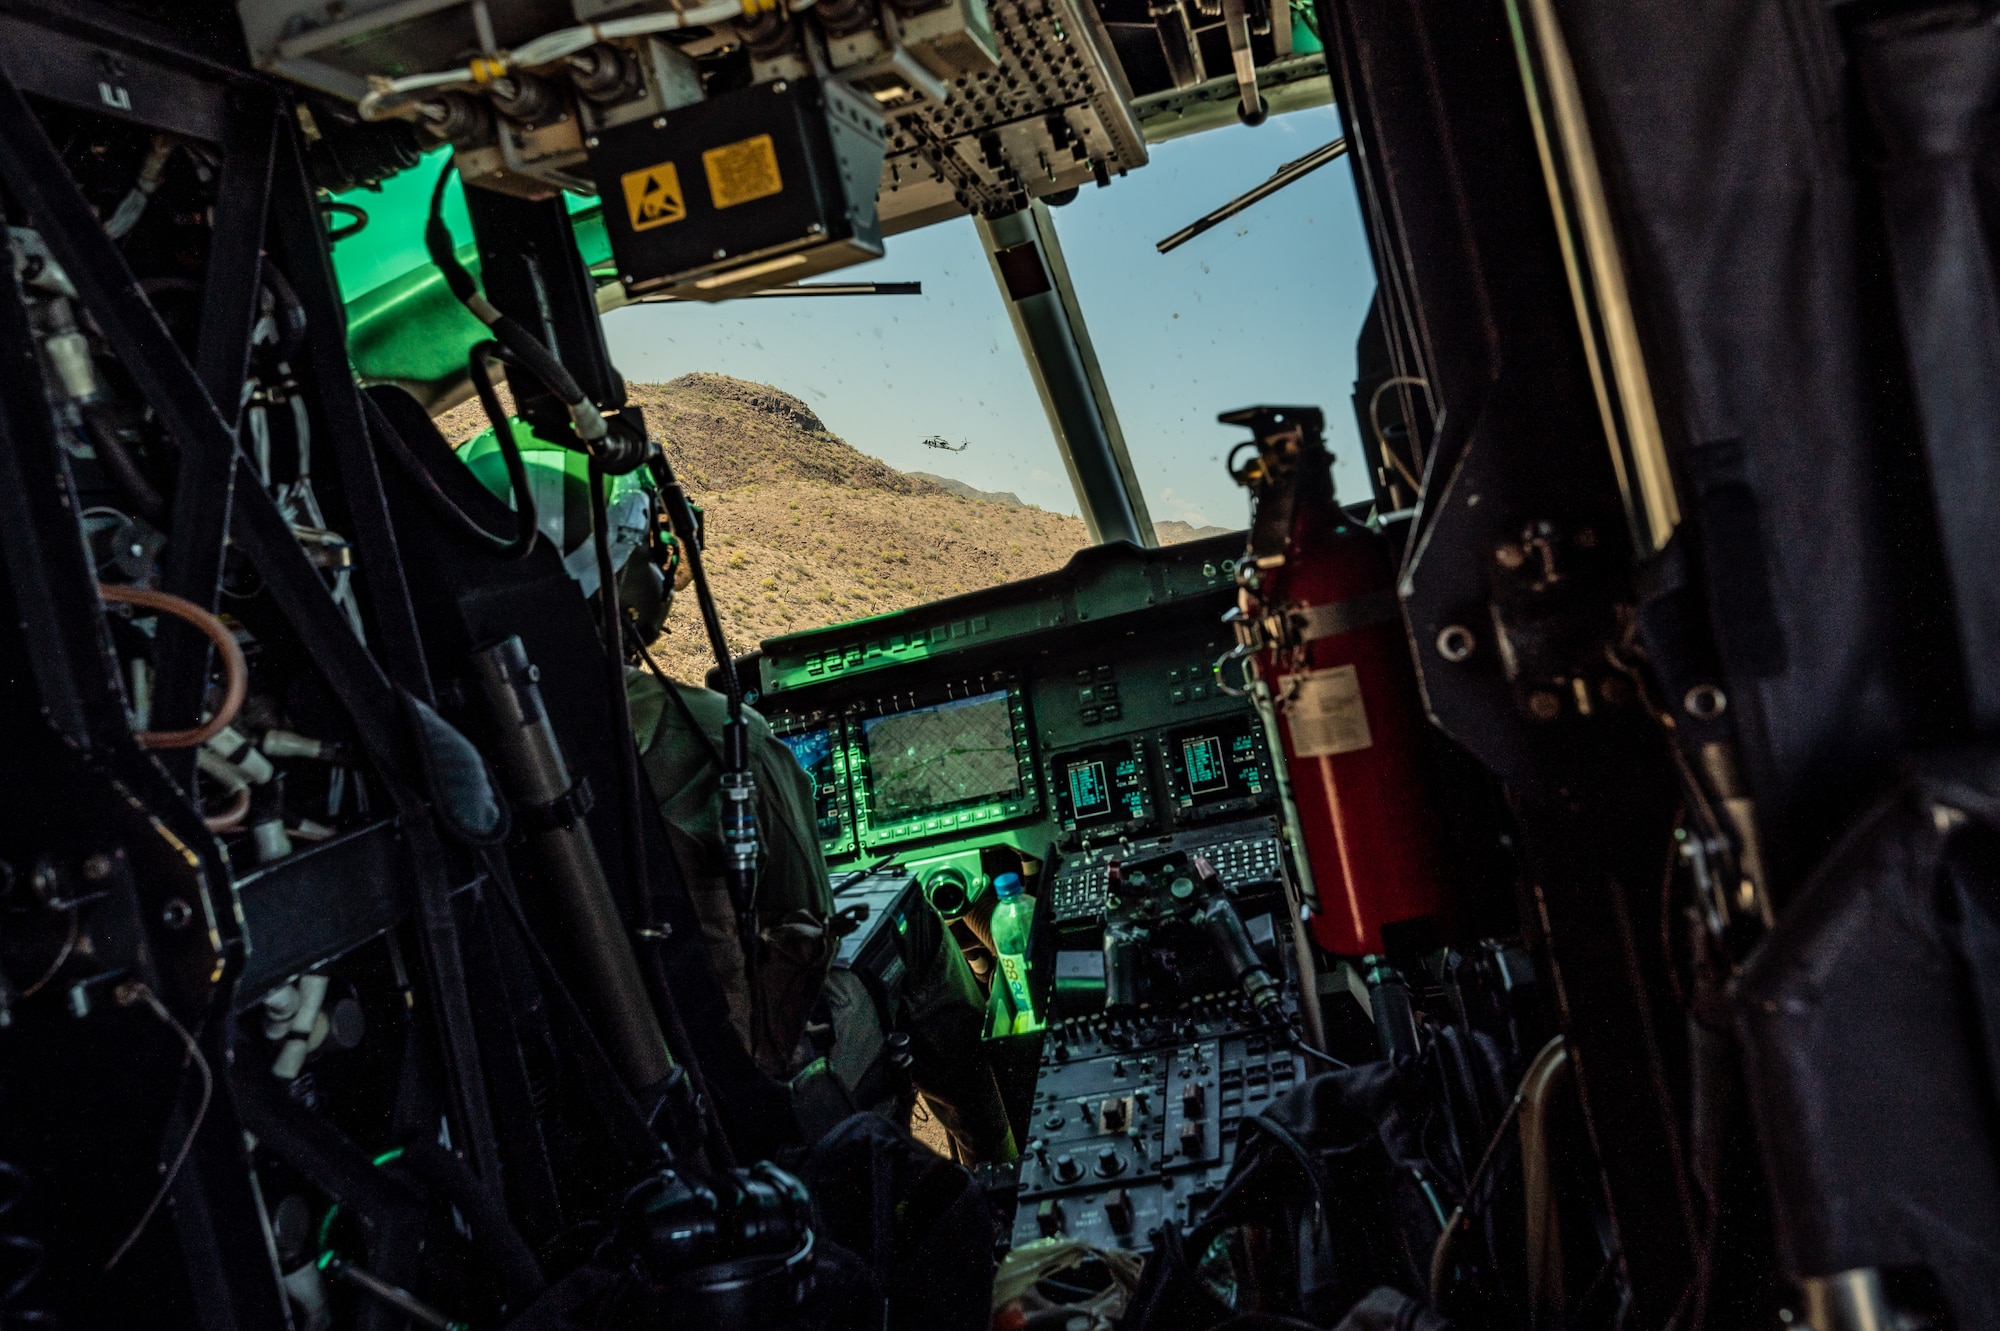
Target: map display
931	758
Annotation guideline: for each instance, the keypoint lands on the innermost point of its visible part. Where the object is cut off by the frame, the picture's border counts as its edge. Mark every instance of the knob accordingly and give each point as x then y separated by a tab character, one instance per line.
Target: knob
1113	1115
1049	1217
1110	1164
1054	1121
1067	1170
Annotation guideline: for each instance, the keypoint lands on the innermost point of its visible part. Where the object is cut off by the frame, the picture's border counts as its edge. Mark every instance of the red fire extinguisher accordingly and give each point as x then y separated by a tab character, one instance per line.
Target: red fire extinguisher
1318	620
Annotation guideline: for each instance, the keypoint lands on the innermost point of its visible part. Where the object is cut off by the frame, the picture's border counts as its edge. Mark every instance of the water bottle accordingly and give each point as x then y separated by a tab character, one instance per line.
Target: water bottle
1012	915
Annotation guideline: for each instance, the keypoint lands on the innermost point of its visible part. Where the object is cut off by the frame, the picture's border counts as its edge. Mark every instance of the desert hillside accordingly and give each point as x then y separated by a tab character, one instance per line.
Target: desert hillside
805	530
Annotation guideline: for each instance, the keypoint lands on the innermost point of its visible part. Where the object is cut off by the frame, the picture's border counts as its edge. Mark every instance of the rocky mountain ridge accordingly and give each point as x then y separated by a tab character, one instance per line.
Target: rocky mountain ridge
807	530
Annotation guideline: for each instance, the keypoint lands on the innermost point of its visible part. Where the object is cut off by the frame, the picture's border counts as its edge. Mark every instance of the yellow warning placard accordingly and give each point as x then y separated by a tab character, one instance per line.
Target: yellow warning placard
741	171
653	196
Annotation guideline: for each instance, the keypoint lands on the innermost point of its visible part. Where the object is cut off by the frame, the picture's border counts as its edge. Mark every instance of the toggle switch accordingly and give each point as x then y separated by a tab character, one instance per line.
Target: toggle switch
1118	1210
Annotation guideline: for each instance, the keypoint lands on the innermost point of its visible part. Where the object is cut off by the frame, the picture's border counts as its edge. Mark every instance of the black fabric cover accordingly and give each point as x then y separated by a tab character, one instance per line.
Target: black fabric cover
1870	1025
1930	88
461	785
1805	194
1749	240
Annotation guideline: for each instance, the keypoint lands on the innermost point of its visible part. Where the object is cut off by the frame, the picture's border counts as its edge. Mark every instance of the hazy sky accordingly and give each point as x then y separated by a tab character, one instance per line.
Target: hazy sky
1264	308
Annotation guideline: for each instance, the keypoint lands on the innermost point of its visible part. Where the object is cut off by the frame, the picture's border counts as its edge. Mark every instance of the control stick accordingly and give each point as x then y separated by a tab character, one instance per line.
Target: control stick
1225	929
1218	917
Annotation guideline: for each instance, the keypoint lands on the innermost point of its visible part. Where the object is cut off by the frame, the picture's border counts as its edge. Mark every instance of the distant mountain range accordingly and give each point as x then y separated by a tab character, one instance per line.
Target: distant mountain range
964	491
1171	531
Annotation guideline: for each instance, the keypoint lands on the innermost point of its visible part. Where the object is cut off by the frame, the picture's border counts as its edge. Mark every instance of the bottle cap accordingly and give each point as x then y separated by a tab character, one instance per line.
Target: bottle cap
1007	885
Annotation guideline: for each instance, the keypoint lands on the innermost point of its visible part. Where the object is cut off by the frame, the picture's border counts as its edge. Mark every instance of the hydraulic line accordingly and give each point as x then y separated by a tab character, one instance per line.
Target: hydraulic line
527	349
236	671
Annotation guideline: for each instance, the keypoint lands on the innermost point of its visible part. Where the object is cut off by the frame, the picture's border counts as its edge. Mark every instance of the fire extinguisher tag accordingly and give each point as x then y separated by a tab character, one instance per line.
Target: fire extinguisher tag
1326	712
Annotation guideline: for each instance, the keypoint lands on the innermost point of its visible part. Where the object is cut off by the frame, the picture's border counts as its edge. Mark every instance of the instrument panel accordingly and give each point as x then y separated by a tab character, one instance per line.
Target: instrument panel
1076	709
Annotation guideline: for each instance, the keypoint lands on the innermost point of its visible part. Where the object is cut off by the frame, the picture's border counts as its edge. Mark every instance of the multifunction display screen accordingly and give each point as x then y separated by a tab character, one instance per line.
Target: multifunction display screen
931	758
814	750
1218	763
1102	785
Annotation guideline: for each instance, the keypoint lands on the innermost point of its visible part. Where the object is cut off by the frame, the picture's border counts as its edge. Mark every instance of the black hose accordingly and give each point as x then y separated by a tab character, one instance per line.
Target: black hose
537	359
336	234
739	819
527	349
140	494
437	241
442	504
478	365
